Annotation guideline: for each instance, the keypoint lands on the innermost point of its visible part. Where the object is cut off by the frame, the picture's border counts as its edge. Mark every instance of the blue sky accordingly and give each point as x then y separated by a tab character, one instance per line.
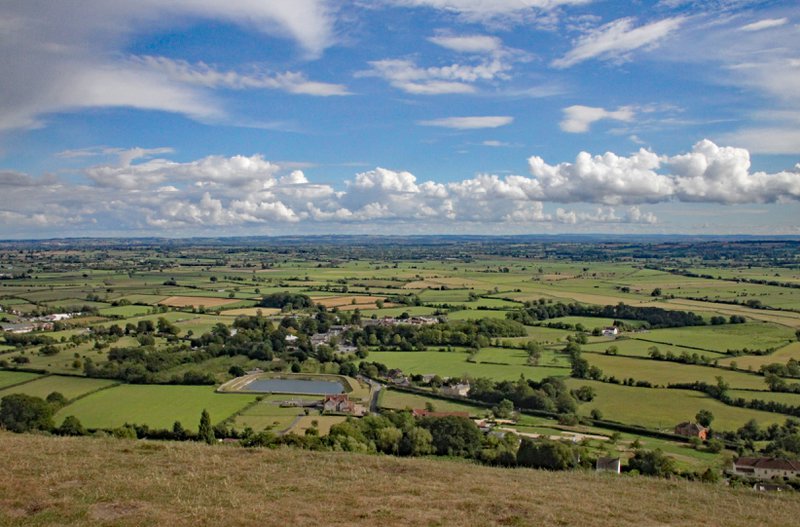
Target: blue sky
198	117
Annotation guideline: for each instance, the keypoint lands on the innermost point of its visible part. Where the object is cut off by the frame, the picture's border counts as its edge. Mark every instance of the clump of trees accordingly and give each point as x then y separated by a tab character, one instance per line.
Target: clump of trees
549	395
654	317
24	413
286	300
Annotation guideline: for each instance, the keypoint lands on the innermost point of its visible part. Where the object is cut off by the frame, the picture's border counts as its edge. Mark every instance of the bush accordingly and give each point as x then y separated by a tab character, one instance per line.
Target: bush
546	454
71	427
23	413
652	463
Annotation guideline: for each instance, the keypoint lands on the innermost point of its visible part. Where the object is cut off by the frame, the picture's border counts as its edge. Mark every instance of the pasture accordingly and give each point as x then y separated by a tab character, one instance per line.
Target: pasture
69	387
455	364
397	400
724	337
662	409
10	378
663	373
157	406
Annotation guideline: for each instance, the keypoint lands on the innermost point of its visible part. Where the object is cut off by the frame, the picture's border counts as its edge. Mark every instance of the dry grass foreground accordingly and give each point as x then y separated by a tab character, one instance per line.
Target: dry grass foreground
82	481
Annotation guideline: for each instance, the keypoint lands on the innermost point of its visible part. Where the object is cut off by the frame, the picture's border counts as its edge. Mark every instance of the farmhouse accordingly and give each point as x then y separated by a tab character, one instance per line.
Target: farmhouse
688	429
341	403
458	390
18	328
608	464
766	467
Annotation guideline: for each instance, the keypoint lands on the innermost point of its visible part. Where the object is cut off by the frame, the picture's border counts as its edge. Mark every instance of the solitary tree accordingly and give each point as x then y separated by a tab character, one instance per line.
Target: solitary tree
71	427
704	417
206	432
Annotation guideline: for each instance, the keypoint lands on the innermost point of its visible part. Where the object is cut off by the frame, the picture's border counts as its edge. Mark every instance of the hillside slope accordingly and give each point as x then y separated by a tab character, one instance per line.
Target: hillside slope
83	481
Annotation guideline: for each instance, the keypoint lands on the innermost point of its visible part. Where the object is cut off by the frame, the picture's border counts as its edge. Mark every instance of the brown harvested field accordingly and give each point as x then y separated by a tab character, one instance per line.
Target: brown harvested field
251	311
197	301
51	481
342	302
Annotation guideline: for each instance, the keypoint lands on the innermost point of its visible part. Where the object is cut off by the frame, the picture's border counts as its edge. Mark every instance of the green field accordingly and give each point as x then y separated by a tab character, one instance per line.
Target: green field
639	348
125	311
69	387
792	399
397	400
475	314
754	362
520	357
662	409
9	378
267	414
154	405
722	338
454	364
664	372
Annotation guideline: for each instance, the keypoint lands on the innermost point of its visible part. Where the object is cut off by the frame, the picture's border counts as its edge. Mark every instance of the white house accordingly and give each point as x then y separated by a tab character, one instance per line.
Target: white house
611	331
766	467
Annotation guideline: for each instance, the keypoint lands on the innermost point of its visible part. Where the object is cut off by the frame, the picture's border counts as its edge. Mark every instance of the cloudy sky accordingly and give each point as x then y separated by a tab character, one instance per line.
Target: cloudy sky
201	117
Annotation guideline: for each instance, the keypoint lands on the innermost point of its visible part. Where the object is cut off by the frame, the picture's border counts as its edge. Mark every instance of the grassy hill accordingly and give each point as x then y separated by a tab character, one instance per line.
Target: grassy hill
83	481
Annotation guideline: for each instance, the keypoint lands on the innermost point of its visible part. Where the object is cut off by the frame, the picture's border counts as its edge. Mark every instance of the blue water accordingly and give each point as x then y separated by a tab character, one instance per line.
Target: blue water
299	386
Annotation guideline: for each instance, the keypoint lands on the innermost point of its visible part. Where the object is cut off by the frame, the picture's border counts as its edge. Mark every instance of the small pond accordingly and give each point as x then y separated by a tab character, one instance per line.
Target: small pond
298	386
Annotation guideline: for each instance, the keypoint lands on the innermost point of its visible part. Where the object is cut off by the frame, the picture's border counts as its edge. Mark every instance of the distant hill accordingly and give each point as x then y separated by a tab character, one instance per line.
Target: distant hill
85	481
